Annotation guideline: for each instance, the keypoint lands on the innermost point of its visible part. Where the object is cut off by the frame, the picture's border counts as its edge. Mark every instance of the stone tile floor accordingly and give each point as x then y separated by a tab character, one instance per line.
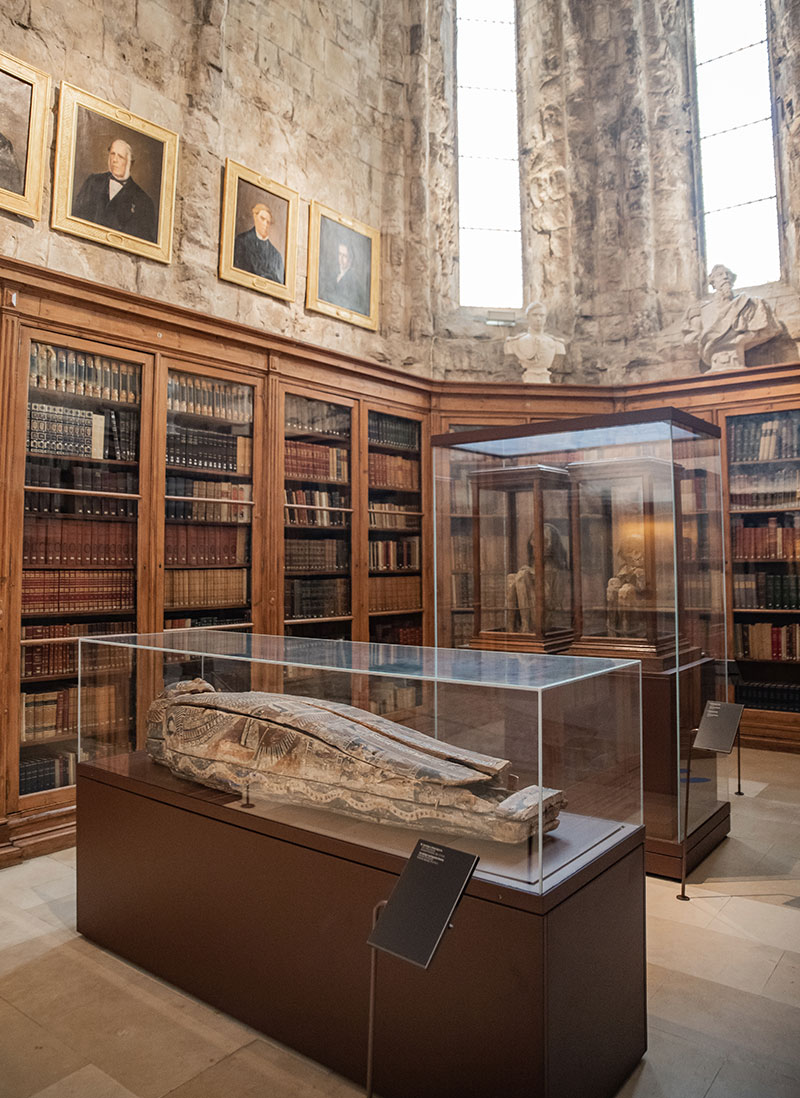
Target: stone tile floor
723	986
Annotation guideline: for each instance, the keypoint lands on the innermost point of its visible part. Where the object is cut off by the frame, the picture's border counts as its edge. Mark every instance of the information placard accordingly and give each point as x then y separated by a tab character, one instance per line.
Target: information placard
718	727
419	910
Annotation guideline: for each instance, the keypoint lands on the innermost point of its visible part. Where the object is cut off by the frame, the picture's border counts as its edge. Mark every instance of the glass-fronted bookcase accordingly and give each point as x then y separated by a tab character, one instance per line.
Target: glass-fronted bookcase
208	504
81	549
317	528
763	452
139	483
394	549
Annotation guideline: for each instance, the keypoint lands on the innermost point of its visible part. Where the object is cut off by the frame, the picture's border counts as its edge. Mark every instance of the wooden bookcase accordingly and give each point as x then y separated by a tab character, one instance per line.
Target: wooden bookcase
318	562
763	458
391	415
83	443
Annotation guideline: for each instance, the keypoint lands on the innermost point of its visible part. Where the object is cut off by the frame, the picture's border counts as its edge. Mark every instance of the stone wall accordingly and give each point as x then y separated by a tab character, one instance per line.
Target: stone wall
351	102
310	93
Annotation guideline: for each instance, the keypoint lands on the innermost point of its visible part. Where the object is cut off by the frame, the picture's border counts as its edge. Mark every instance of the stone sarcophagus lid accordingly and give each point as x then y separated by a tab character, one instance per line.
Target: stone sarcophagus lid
329	755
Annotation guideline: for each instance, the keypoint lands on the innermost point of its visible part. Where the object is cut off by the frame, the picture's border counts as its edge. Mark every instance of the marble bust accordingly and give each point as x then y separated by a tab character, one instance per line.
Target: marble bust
535	349
727	324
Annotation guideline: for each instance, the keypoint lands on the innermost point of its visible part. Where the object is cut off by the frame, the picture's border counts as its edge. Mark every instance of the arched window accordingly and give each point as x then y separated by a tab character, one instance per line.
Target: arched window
737	158
490	240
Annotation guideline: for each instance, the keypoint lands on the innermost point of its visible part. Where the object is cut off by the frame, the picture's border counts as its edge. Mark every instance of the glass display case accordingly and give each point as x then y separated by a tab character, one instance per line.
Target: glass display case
604	536
278	817
531	761
521	551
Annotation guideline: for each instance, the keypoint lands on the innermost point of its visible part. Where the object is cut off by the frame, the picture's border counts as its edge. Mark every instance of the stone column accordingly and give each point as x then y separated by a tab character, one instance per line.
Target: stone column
606	167
783	21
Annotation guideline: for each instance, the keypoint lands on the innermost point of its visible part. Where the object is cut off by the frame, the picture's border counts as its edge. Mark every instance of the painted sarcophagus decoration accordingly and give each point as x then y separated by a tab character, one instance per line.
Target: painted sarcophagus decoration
325	754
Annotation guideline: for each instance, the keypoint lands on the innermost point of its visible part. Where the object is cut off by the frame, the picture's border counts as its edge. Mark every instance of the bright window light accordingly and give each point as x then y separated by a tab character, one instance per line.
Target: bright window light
737	156
490	238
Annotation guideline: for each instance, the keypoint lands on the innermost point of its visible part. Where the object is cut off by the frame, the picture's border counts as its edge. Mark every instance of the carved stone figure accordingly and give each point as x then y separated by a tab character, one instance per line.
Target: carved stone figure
521	585
725	326
626	591
328	755
535	349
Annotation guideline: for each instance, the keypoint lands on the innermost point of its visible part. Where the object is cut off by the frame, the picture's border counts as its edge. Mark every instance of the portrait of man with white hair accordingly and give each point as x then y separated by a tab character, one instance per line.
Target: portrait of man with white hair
113	199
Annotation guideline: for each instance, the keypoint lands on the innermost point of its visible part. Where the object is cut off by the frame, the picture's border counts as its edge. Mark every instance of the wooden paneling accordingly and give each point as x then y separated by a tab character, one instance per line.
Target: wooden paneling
36	301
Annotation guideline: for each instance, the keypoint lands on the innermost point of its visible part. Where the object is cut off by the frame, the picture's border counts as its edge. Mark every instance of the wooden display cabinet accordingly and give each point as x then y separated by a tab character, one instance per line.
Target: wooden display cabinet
455	595
521	558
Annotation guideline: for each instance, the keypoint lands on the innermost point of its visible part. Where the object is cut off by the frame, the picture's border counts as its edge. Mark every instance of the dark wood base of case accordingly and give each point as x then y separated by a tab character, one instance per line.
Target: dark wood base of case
532	995
664	858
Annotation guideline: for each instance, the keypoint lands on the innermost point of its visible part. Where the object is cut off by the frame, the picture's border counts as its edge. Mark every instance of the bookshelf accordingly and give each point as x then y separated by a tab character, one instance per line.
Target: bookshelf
764	504
208	508
698	534
317	529
394	549
79	552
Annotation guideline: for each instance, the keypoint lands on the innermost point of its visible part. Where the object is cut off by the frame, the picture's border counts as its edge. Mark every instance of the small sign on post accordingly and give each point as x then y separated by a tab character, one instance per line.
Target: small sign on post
718	727
716	732
411	923
419	910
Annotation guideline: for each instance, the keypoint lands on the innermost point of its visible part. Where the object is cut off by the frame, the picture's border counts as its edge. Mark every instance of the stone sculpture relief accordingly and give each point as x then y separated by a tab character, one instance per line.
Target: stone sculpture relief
535	349
521	585
328	755
626	591
726	325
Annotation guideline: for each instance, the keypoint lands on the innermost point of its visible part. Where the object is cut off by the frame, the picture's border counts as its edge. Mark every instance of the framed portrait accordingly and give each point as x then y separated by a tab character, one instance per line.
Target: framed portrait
343	267
24	102
114	176
258	245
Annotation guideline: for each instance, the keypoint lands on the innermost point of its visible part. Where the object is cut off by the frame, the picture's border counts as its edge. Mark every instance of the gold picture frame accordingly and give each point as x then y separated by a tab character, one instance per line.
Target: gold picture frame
343	267
94	138
253	206
24	102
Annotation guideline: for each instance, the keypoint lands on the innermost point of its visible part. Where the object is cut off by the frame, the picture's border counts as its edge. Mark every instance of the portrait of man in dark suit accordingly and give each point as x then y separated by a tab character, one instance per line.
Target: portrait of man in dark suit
115	200
258	241
115	176
254	252
344	267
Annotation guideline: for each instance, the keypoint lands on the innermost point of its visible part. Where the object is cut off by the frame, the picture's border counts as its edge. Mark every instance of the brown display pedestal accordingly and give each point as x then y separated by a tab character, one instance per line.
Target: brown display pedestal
535	995
663	763
664	767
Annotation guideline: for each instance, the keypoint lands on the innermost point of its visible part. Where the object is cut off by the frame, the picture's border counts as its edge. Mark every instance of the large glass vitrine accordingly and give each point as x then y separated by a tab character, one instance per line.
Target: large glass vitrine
285	817
551	741
604	536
